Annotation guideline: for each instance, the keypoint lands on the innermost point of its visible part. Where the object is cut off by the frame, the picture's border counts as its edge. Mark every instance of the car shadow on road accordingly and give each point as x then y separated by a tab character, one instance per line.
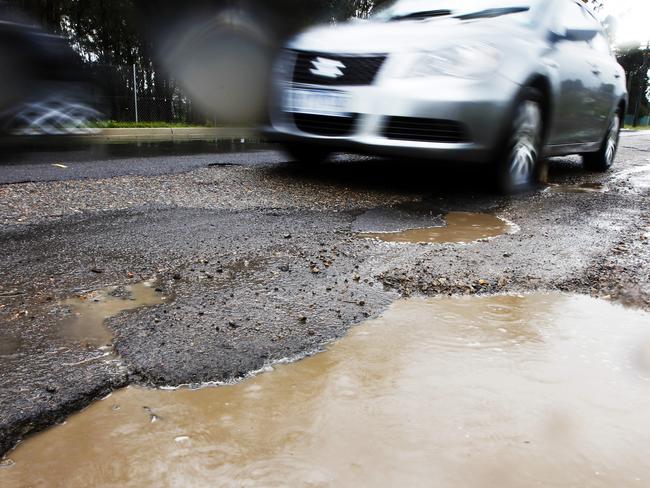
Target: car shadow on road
392	175
567	169
442	179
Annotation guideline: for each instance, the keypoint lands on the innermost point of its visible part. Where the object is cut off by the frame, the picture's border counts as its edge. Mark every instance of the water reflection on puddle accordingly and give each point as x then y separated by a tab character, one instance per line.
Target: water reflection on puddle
90	311
484	392
461	227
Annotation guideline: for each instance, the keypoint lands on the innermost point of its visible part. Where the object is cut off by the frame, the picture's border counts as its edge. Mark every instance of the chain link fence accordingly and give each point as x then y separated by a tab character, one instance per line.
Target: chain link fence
128	93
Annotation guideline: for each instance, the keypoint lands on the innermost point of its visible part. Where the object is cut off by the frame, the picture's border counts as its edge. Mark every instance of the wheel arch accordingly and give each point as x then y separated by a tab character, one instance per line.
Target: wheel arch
542	84
622	107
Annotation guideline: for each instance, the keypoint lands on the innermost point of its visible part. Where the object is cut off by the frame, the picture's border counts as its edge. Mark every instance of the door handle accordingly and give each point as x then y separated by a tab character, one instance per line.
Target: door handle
596	71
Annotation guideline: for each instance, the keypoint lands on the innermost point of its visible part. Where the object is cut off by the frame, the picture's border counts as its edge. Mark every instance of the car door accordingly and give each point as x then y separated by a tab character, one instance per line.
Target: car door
606	69
578	84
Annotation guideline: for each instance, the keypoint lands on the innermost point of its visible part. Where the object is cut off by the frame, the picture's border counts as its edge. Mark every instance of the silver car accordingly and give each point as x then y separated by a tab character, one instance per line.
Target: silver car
500	82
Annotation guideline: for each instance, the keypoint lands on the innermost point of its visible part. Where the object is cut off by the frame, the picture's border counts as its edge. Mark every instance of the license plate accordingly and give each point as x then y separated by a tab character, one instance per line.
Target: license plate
316	102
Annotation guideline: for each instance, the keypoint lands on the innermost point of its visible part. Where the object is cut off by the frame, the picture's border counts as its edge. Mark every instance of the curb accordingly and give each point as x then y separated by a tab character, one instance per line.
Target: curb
170	134
107	136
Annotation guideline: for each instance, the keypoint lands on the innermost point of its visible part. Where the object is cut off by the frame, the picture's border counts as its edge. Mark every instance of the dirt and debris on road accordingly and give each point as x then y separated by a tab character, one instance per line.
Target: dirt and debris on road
265	261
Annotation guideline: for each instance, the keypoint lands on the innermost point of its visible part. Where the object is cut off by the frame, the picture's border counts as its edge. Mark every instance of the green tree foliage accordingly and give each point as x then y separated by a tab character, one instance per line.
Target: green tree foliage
635	60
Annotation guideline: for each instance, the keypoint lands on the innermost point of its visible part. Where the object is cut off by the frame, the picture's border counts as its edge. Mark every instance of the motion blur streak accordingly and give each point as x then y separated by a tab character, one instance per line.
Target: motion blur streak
43	89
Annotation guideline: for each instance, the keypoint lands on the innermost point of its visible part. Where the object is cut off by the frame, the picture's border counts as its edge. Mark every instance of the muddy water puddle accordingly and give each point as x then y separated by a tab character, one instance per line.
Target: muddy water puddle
579	188
91	310
461	227
504	391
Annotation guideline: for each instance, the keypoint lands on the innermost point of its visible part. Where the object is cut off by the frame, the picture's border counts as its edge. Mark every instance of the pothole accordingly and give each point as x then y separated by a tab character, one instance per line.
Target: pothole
501	391
86	324
580	188
462	227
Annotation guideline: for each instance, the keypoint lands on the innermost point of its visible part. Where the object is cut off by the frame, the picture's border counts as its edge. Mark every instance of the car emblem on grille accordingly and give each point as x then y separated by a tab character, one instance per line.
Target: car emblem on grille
328	68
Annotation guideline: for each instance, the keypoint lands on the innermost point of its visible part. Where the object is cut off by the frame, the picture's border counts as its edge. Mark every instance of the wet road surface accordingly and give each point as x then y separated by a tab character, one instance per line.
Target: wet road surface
96	161
501	391
264	260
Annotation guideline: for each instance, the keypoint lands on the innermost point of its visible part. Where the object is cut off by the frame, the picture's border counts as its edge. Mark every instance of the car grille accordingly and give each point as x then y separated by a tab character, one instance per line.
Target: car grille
425	130
356	70
324	125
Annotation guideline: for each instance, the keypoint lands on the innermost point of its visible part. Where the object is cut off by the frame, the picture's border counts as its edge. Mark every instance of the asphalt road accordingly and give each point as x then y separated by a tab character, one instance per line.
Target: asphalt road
95	161
264	261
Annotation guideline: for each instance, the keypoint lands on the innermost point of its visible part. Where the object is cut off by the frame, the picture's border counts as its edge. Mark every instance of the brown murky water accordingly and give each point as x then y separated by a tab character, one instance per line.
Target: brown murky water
461	227
505	391
581	188
90	311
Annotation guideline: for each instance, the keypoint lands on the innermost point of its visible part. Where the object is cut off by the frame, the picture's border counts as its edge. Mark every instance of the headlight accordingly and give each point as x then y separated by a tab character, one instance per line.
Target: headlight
463	61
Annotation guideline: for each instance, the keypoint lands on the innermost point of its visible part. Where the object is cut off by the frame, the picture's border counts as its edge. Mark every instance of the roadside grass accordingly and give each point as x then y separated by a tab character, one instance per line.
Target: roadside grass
114	124
639	127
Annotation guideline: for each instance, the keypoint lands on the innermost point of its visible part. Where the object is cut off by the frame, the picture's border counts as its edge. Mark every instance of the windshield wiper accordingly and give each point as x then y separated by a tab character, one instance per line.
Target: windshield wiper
422	15
493	12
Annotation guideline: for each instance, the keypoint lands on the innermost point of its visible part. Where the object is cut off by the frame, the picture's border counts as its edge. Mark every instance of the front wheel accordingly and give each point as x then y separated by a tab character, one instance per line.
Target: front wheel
603	160
517	162
301	152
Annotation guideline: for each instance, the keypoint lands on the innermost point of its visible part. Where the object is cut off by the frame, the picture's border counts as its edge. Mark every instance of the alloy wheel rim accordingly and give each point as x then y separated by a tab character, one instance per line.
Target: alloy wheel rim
524	153
612	141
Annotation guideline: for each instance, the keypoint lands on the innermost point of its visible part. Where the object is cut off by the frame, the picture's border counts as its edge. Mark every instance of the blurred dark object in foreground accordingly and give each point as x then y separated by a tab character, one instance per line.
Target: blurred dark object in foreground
223	62
43	89
196	63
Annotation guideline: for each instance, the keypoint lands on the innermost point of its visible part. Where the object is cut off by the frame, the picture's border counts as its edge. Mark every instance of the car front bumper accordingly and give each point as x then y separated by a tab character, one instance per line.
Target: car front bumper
482	108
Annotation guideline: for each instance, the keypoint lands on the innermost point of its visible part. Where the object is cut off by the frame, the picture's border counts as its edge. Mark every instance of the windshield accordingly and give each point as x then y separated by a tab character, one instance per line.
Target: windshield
463	9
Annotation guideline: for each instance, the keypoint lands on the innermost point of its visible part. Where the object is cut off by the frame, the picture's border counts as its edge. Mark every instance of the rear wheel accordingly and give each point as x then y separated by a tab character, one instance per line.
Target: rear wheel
301	152
603	160
517	165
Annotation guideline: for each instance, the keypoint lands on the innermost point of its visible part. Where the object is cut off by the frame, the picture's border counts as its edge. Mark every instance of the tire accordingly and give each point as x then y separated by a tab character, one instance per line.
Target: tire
517	163
603	159
305	153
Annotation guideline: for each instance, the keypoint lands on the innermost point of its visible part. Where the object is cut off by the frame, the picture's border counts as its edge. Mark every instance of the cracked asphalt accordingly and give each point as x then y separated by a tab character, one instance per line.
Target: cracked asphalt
263	259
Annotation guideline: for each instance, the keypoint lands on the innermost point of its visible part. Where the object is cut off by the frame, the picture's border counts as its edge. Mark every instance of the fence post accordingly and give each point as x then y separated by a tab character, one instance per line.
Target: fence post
135	93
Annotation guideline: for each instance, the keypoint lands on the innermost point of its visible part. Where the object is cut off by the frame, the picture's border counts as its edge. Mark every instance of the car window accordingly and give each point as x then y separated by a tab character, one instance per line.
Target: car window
522	11
601	44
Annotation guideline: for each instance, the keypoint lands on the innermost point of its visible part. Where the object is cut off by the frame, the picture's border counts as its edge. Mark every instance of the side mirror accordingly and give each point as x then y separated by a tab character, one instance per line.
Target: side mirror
580	34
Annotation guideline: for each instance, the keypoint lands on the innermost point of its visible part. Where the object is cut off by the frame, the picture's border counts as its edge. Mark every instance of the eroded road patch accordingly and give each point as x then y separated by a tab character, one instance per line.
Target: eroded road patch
476	391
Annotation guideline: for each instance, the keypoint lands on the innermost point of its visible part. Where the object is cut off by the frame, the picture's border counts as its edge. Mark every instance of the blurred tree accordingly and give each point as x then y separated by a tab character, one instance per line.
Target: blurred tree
596	5
636	62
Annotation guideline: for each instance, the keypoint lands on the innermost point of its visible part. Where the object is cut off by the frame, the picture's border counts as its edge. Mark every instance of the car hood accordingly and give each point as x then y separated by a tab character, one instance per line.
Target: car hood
357	37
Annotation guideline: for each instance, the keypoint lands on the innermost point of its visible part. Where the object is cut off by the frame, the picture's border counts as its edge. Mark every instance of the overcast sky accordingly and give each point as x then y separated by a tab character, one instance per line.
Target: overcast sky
633	19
